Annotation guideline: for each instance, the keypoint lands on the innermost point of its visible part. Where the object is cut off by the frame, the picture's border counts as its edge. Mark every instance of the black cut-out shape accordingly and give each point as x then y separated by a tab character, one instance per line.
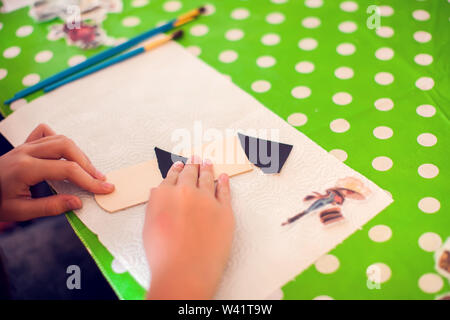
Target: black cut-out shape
267	155
166	160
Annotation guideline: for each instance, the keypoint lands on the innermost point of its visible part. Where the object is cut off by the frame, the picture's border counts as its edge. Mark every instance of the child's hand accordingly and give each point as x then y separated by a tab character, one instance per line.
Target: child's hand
38	160
188	233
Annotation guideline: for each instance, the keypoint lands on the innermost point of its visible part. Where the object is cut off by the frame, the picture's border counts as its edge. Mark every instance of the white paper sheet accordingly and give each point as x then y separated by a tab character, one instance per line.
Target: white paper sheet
119	114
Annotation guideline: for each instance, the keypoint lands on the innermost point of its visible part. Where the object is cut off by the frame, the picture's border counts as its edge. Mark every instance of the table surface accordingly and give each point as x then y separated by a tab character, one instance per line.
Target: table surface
375	98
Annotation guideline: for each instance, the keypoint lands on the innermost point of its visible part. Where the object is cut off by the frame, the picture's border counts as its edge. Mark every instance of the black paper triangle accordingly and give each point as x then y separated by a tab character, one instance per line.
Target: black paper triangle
166	160
267	155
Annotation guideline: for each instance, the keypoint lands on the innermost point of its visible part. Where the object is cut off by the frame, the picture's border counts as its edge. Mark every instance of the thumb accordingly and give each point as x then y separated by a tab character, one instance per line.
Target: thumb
223	190
48	206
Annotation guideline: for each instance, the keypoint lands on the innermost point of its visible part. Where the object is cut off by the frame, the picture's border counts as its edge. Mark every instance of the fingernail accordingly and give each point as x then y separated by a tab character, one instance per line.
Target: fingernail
195	160
179	164
223	177
207	162
107	186
99	175
74	203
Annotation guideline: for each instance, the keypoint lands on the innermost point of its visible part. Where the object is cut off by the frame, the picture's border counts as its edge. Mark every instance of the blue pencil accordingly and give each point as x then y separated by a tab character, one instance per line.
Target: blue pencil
189	16
114	60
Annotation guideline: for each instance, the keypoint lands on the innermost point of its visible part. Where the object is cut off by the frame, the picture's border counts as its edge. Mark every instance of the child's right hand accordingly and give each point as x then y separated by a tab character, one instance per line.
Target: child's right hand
188	233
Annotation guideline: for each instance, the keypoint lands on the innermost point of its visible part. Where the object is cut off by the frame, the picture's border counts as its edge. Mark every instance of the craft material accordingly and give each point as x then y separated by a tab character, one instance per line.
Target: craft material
166	160
269	156
132	186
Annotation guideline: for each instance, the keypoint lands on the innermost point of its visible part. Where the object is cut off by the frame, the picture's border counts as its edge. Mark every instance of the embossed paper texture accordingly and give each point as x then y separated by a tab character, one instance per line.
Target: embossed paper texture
117	116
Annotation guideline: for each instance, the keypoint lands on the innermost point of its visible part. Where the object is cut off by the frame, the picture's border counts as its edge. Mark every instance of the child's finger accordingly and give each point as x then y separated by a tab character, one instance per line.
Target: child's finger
172	174
189	175
206	177
223	189
40	131
67	170
62	147
48	206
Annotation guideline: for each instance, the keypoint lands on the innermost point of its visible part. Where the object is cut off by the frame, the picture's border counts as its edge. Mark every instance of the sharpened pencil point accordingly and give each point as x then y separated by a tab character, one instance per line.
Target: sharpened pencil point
202	9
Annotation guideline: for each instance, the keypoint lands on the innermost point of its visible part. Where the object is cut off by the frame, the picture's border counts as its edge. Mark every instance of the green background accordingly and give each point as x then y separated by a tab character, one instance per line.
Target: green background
407	261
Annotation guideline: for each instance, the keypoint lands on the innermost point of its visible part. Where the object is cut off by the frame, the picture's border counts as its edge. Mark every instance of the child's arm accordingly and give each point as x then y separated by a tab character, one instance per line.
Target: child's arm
36	160
188	233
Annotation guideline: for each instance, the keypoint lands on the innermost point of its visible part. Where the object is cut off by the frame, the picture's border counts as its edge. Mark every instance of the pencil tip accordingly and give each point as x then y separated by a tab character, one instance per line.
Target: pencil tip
202	9
178	34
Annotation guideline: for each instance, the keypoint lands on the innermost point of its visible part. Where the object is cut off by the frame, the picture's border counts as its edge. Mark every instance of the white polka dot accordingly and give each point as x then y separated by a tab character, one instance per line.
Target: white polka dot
347	27
307	44
421	15
430	283
194	50
384	104
228	56
327	264
240	14
297	119
426	110
278	1
209	9
380	233
172	6
31	79
349	6
382	163
384	54
199	30
1	25
24	31
304	67
339	154
339	125
378	272
323	297
344	73
76	60
383	132
427	139
43	56
386	11
346	49
270	39
385	32
261	86
139	3
423	59
422	36
3	73
275	18
430	241
17	104
276	295
429	205
11	52
342	98
384	78
311	22
234	34
428	170
117	267
425	83
265	61
313	3
131	21
301	92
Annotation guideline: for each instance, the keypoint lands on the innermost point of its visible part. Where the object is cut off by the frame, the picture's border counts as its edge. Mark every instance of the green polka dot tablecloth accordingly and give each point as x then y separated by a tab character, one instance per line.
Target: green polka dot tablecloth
376	98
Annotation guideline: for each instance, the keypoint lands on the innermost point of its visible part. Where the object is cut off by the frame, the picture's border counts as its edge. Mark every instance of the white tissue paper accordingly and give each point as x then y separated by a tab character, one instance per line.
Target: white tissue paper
117	116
